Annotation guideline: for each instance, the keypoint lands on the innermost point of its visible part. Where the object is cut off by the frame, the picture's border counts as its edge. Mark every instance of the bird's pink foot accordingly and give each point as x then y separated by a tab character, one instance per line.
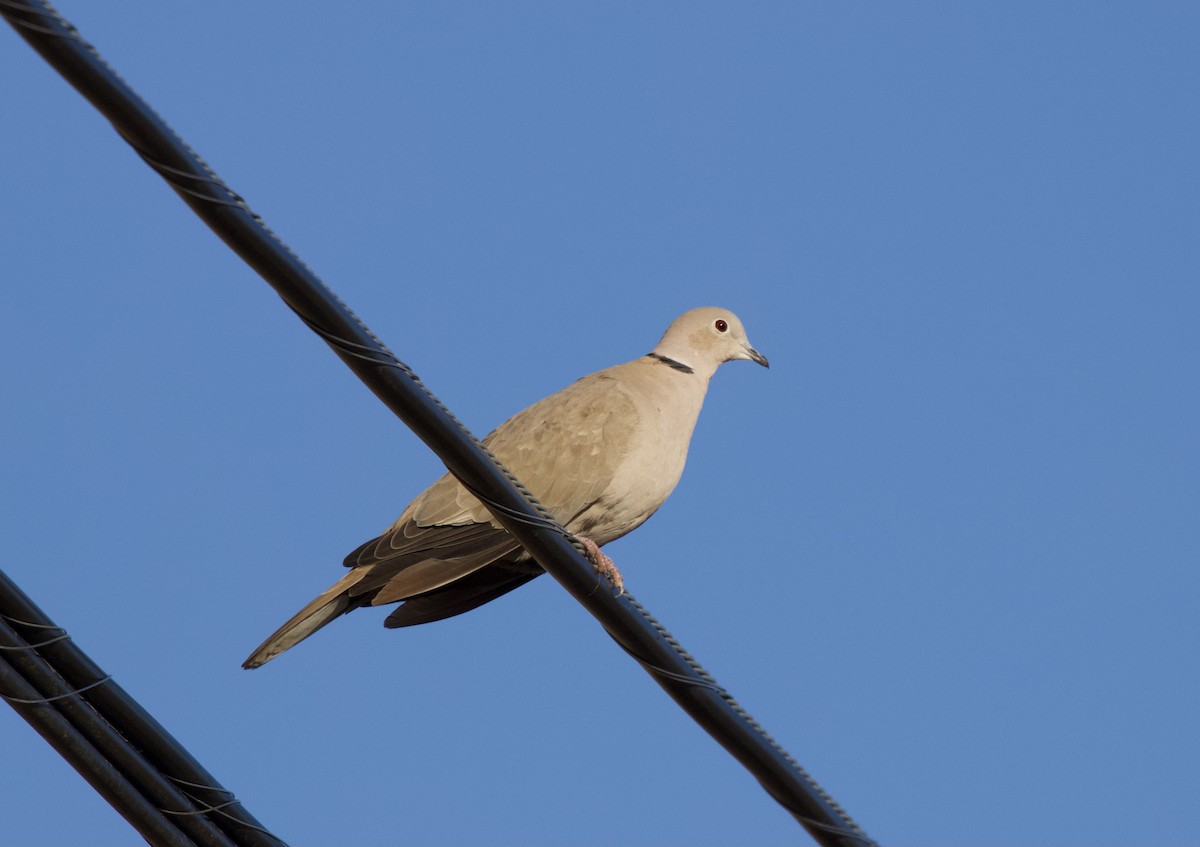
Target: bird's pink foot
604	565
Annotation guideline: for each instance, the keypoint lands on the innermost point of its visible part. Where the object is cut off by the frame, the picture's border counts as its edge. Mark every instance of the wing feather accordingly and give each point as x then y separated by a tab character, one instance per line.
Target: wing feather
565	449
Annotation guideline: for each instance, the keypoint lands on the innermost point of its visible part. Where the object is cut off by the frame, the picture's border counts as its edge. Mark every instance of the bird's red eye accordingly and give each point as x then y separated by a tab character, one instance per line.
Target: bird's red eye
721	325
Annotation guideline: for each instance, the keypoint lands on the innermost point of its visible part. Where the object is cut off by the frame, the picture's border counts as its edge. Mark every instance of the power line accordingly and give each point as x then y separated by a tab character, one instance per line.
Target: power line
126	755
403	392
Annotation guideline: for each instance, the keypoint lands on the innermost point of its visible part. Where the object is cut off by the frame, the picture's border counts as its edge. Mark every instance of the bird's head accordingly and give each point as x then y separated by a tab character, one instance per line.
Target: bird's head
704	338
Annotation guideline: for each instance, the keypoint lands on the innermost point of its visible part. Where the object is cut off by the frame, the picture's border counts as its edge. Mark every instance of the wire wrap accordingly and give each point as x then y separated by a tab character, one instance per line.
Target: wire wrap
116	747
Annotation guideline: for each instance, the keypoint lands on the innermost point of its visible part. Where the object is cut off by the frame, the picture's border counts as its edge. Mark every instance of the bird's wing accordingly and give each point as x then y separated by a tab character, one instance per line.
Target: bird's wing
482	586
412	559
566	449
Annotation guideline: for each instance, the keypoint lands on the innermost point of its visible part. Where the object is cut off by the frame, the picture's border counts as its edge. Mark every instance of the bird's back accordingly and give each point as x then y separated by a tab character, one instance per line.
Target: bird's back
593	453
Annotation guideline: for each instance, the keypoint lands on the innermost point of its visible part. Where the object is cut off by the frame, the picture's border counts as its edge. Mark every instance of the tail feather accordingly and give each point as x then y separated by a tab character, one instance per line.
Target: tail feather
332	603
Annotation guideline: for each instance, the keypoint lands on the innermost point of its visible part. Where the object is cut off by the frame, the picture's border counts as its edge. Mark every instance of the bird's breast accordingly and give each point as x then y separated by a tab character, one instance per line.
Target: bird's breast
653	462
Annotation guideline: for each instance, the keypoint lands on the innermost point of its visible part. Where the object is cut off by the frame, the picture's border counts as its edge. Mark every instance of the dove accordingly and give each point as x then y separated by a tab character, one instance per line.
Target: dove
602	455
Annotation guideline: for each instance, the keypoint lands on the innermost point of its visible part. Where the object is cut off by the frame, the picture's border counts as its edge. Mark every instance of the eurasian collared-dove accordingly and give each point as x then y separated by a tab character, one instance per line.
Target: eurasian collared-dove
601	455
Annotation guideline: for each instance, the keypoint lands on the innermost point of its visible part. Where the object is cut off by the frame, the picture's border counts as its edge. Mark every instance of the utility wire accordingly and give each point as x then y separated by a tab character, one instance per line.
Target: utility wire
103	776
133	762
69	701
403	392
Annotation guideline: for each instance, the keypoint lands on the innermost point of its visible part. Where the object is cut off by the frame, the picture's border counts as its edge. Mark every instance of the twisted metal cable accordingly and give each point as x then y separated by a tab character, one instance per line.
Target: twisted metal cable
33	701
48	699
101	774
113	744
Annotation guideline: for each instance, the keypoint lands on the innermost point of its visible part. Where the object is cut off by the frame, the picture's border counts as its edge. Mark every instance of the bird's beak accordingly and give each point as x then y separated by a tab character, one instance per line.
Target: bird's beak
754	356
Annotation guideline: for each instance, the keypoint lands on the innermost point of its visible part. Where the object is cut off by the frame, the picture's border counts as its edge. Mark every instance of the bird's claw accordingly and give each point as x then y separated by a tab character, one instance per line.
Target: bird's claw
603	564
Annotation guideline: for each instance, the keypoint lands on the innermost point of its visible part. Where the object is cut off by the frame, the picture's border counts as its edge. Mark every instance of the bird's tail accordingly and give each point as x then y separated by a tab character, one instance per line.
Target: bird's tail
334	601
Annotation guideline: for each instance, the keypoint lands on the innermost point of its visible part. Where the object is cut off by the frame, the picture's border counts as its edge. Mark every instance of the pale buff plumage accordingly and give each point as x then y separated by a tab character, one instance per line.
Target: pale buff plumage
601	455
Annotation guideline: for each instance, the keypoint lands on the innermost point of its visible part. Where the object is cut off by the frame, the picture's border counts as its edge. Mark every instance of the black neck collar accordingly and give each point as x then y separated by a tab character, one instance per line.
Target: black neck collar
671	363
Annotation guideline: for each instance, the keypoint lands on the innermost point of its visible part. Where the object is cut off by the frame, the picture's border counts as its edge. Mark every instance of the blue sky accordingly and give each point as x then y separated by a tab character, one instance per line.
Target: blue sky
945	550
